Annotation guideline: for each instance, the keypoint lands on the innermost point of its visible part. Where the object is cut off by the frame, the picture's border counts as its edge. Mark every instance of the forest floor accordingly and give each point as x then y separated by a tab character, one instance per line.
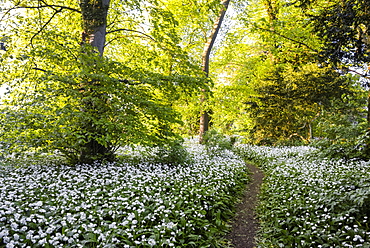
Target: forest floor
245	225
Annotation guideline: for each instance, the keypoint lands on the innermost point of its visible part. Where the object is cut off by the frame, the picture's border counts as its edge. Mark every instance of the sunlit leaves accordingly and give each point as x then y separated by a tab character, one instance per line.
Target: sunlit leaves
270	72
67	96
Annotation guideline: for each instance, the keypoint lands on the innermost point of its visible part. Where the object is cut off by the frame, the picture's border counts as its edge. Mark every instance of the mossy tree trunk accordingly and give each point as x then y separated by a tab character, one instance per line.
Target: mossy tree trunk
94	23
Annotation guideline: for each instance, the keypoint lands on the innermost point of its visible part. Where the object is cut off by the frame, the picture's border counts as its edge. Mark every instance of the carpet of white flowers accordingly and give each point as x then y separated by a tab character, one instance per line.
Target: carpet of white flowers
310	201
120	204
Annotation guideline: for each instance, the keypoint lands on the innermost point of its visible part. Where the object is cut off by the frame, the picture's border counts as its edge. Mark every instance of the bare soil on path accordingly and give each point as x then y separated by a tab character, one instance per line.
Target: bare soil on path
245	225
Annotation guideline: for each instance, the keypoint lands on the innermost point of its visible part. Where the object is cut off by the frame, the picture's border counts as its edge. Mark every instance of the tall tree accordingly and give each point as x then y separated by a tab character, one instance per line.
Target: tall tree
199	23
275	81
94	25
204	118
345	28
90	77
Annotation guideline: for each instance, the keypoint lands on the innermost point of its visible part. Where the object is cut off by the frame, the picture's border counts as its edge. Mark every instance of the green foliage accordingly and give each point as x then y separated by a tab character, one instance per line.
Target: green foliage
288	100
271	86
354	147
173	154
344	28
216	140
189	108
67	97
342	131
228	109
250	154
114	112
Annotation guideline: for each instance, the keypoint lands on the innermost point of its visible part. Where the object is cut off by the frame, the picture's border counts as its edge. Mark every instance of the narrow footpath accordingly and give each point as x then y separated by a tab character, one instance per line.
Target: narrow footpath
245	224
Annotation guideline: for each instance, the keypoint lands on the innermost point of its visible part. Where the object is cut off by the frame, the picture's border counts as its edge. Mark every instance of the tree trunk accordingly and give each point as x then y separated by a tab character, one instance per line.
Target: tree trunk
204	118
94	21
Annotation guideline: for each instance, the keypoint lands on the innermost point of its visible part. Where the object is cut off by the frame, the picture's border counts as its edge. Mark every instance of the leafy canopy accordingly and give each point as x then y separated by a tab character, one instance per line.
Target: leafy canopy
63	95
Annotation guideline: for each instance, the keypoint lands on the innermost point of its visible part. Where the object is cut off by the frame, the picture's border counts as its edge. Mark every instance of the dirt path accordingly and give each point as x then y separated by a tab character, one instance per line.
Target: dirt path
245	225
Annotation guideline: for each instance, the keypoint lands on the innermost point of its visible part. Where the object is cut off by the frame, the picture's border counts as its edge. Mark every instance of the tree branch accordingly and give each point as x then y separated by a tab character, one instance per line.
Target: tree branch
356	72
53	6
288	38
346	69
213	35
129	82
142	33
39	69
45	24
131	30
121	37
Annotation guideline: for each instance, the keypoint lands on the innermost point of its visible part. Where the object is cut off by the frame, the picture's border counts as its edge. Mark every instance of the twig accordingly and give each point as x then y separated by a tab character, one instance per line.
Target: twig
131	30
53	6
45	24
288	38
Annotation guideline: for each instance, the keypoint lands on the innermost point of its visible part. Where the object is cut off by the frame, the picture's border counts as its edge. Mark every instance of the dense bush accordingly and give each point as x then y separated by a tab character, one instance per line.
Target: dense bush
357	147
216	142
213	138
170	154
